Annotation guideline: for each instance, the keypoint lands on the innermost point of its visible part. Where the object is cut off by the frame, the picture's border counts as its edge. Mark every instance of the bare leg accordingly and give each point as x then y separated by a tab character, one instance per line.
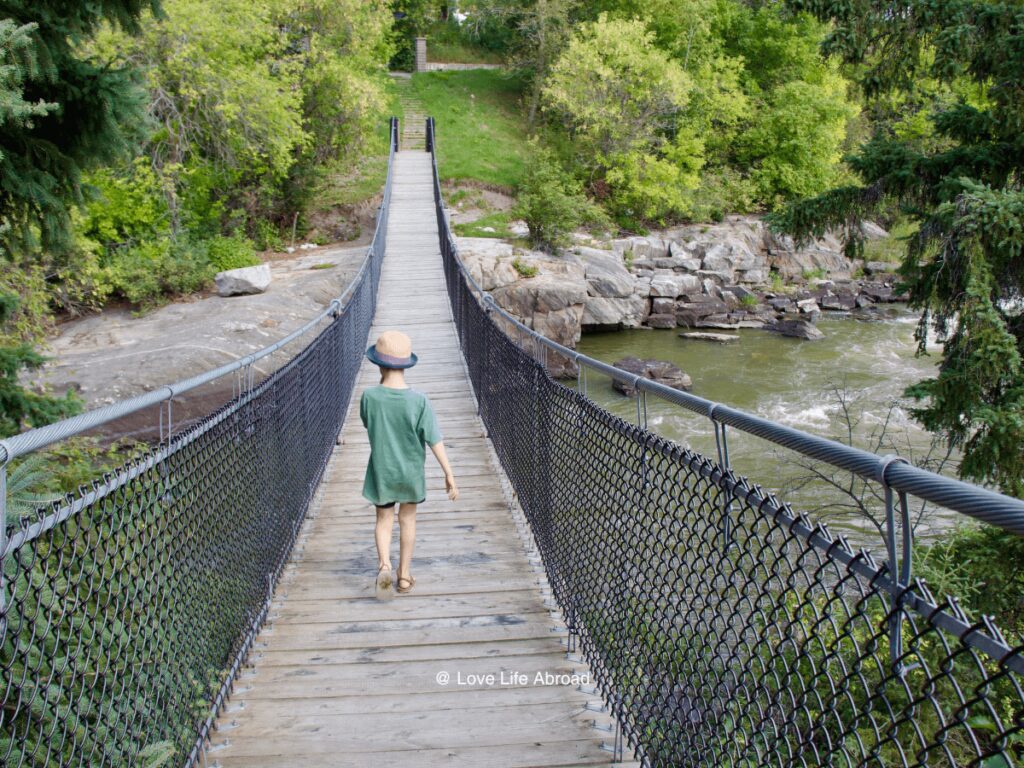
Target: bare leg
385	524
406	538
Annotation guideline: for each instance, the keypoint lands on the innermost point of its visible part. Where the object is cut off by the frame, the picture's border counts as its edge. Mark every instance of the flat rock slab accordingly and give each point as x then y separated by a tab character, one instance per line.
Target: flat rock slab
447	674
118	354
717	338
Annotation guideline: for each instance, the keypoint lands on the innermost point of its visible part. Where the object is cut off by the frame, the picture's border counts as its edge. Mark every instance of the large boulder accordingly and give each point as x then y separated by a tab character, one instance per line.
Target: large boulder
799	329
668	284
823	256
691	309
642	247
551	301
605	272
666	320
489	261
243	281
627	312
660	371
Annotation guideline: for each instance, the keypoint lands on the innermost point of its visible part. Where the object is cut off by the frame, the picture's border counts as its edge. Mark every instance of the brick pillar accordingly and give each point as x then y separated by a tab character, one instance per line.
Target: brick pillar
421	54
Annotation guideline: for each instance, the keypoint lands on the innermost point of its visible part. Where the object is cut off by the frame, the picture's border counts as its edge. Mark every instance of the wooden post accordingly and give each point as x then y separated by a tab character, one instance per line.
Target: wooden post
421	54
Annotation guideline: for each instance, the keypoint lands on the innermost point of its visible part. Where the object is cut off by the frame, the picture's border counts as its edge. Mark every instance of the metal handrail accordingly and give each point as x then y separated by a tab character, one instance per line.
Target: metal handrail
34	439
899	476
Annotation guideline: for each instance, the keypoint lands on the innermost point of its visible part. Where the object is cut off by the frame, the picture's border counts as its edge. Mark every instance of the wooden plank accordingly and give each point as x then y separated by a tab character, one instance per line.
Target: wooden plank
539	754
435	652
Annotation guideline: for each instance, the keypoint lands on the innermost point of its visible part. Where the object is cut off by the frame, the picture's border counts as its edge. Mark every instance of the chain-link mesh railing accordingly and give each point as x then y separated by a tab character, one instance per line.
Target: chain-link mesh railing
723	628
128	608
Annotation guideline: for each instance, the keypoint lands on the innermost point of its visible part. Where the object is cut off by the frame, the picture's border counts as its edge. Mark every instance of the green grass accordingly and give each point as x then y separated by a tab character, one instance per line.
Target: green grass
447	43
459	53
481	135
498	221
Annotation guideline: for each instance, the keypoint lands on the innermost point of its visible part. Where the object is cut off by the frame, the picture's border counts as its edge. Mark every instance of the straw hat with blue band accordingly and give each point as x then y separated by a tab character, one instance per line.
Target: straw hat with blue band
392	350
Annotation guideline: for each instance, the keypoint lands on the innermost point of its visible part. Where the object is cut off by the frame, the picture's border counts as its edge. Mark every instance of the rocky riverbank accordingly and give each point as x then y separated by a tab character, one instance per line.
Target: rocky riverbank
732	275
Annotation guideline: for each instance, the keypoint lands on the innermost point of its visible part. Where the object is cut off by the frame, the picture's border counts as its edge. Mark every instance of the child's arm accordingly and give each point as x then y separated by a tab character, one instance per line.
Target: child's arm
449	478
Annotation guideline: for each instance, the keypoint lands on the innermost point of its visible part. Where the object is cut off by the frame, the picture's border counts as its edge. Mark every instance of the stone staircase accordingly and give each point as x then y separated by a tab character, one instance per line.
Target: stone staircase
414	116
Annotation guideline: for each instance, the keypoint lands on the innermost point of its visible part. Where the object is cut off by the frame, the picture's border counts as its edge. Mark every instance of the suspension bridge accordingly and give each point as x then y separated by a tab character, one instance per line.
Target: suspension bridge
597	594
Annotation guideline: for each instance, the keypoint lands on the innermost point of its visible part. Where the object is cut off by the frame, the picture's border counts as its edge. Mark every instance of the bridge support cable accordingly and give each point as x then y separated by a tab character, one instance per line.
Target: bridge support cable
127	609
725	628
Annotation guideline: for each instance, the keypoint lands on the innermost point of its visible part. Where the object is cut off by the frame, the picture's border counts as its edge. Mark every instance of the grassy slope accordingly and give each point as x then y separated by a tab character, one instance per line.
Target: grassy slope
481	135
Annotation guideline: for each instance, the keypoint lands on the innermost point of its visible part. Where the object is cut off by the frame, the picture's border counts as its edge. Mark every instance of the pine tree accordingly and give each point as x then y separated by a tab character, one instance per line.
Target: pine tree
60	111
19	407
964	266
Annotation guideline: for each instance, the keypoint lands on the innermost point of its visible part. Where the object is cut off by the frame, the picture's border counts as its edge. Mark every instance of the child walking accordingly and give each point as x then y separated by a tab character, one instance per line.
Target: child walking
400	422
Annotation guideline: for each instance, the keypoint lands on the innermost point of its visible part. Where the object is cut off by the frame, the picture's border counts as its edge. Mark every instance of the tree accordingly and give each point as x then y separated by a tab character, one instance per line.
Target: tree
621	98
540	31
61	111
20	407
771	113
552	203
411	18
343	47
962	188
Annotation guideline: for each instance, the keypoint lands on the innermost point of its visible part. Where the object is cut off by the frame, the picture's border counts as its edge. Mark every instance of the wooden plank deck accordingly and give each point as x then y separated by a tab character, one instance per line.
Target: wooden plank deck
341	678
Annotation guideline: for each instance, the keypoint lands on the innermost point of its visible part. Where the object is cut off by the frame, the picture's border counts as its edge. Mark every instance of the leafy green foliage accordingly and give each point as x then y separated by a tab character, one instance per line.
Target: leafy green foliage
62	110
412	17
983	566
793	149
20	407
524	269
231	252
954	173
621	98
552	203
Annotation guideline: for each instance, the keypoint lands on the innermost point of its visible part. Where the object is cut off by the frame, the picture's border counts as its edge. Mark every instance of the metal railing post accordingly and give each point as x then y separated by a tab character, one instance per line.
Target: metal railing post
722	444
899	561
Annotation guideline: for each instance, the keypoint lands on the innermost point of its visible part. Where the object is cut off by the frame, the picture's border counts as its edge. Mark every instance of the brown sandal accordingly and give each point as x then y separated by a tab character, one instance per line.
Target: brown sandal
410	582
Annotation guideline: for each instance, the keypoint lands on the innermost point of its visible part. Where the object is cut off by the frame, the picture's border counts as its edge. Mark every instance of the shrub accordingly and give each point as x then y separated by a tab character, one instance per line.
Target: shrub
524	269
982	565
147	273
231	252
552	203
268	237
645	187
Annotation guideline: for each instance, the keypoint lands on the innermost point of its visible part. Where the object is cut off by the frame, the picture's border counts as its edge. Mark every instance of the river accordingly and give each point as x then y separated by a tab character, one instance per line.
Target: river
792	382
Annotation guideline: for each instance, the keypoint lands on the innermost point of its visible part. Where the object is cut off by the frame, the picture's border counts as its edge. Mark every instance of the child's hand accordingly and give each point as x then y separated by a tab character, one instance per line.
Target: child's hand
449	485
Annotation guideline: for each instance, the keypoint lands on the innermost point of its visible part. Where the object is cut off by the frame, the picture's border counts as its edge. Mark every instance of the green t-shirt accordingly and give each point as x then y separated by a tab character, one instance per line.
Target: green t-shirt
400	422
